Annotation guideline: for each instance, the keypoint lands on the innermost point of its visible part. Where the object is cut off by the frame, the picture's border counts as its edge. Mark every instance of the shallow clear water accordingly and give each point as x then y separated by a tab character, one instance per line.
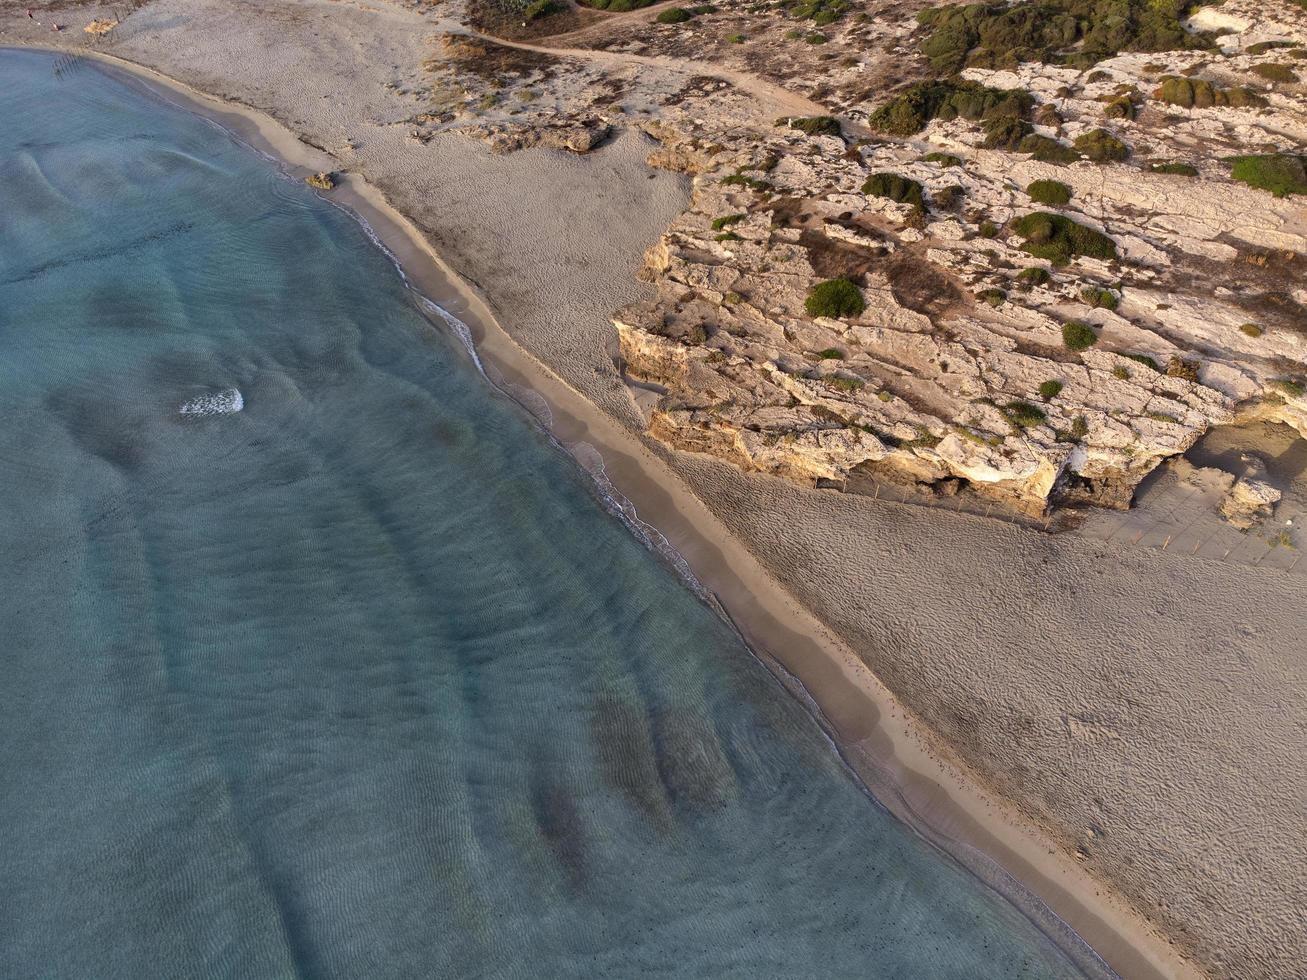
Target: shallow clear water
319	660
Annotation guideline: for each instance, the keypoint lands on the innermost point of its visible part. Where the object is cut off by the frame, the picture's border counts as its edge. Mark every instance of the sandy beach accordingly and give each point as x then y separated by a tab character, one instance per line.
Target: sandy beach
1116	728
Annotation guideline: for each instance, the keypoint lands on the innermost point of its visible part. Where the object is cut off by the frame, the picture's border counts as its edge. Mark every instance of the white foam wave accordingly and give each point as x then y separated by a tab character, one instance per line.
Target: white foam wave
620	505
227	402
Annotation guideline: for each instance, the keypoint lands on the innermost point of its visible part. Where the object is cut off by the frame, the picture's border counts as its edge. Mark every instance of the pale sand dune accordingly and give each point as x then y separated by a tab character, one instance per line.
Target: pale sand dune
1153	699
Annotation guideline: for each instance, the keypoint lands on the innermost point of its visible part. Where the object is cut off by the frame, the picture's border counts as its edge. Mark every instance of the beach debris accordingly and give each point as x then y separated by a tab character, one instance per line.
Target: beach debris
323	181
101	26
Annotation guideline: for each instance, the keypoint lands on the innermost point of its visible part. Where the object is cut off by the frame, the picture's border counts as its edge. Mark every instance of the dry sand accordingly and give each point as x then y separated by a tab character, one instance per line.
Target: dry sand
1141	707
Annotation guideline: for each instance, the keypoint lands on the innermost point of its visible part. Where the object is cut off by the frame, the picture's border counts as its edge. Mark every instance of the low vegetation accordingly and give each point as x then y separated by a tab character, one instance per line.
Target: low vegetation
1279	173
903	190
912	109
1078	335
943	159
815	125
1047	150
1023	415
1099	298
1197	93
1052	192
1179	367
1177	169
1145	360
1058	239
1077	33
834	298
674	15
1101	146
618	6
1276	73
1050	390
1034	276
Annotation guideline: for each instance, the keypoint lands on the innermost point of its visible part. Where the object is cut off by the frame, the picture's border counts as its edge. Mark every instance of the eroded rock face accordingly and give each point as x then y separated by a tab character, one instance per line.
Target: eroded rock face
958	368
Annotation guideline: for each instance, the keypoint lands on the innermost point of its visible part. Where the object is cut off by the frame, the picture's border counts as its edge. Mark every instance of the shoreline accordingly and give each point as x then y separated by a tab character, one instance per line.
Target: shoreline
895	756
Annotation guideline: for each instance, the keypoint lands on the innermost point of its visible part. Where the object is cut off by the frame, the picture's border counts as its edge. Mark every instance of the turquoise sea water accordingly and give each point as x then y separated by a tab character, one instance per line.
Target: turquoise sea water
319	660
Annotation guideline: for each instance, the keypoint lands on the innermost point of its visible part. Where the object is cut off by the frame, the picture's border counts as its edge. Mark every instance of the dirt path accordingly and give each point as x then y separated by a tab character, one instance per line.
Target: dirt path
774	99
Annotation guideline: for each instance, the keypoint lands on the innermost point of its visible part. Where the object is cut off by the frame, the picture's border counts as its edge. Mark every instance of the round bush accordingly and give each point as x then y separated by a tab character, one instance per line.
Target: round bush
835	298
674	15
1049	192
1078	335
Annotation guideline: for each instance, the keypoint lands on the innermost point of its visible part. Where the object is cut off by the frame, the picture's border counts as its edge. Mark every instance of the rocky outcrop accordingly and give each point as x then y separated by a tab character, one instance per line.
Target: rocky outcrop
959	367
1250	499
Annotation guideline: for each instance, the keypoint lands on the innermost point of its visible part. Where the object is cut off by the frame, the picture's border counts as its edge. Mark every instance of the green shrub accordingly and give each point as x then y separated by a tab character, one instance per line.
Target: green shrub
1120	373
1078	335
1034	276
1047	150
846	384
1101	146
815	125
831	354
728	236
835	298
1251	330
1005	133
1049	192
1279	173
993	296
1122	107
815	38
1023	415
1261	47
943	159
947	196
820	12
904	190
753	183
1079	429
736	39
912	109
1050	390
1145	360
1178	169
987	229
1058	239
726	220
1099	298
1275	73
674	15
619	6
1079	33
1197	93
541	8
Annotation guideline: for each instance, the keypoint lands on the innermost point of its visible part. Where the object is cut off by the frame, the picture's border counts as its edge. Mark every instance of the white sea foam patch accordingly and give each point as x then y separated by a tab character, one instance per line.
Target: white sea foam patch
227	402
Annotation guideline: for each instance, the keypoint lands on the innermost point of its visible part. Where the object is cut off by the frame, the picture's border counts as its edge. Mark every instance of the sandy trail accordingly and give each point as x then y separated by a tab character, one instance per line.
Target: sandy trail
773	99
